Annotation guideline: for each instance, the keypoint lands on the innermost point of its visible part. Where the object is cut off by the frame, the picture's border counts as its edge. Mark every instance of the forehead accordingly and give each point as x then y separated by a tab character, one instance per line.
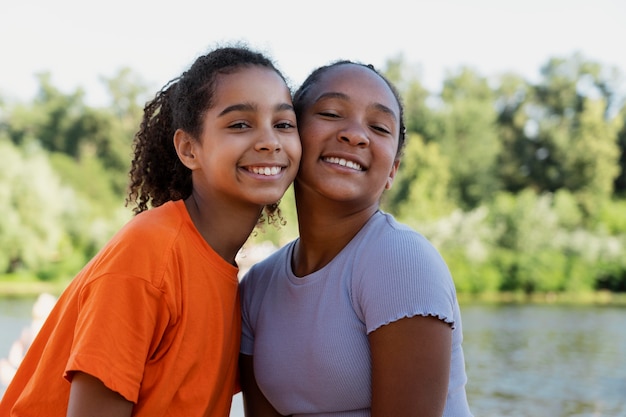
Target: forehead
248	76
358	83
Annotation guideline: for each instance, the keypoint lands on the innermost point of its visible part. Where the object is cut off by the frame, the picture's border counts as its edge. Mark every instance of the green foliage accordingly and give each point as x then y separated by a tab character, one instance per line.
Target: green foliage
620	180
590	162
32	202
89	179
465	242
540	250
612	217
468	137
61	182
471	276
47	226
567	210
520	185
420	189
419	117
515	130
529	243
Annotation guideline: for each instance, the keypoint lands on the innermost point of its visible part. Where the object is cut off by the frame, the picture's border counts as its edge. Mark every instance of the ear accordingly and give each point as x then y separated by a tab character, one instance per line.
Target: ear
186	148
392	174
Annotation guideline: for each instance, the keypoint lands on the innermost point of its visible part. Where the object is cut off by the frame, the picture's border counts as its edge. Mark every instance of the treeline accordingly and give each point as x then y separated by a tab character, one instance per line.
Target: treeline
520	184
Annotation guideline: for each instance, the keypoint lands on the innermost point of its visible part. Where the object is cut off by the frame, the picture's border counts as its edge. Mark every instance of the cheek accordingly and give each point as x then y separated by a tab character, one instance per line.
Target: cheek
306	140
385	150
312	131
310	153
294	147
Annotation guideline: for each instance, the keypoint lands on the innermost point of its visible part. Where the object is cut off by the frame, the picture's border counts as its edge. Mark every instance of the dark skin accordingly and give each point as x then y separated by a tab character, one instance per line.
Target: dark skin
417	346
89	397
411	356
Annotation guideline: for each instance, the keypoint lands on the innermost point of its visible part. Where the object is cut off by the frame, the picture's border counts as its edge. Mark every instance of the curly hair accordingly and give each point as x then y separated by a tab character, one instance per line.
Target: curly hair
157	175
313	78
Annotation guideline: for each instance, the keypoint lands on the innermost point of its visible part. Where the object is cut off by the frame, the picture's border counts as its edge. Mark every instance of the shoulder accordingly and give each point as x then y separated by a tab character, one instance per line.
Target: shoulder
167	217
142	246
152	226
397	261
399	273
392	241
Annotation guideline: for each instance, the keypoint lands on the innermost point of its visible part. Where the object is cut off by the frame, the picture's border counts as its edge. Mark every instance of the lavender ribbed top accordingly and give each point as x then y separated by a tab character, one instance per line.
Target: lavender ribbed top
308	334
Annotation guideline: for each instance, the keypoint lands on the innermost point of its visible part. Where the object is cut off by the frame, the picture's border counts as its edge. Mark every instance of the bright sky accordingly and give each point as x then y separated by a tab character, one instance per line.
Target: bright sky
80	41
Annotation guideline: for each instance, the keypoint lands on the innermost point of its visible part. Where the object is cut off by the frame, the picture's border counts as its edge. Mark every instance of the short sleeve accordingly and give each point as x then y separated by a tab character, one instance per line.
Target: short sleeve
120	322
401	275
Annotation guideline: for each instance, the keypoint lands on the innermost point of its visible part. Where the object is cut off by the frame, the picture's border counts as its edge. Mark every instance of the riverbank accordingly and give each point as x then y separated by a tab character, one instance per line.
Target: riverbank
597	298
32	288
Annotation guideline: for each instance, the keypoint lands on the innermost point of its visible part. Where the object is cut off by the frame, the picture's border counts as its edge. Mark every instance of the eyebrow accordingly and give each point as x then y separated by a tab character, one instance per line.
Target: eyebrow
248	107
341	96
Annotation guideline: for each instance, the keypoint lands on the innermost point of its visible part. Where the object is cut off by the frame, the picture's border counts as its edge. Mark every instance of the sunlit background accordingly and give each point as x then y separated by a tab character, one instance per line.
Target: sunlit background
528	235
78	41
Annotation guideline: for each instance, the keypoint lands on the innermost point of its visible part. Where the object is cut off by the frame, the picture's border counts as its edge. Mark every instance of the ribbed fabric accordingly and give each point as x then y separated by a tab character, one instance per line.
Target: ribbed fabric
308	334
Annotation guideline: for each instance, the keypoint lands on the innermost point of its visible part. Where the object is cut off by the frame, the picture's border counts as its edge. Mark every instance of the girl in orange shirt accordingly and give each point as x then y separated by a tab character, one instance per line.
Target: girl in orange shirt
151	325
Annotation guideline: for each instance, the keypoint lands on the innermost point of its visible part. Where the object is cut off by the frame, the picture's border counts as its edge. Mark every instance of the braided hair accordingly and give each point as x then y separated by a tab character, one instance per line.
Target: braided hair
157	175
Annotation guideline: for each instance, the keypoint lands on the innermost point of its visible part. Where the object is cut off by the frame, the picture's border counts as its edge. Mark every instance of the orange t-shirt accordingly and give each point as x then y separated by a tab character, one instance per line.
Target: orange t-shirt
155	316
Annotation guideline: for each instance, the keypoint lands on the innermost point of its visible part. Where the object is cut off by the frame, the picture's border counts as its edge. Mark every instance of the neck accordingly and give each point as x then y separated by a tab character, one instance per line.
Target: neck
325	227
225	228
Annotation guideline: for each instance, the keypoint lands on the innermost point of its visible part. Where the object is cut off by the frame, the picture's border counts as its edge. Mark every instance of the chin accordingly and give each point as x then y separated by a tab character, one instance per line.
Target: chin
268	201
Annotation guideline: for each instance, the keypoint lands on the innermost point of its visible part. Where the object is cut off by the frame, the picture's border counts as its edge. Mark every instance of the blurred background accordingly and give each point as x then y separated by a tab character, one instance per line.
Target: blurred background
515	166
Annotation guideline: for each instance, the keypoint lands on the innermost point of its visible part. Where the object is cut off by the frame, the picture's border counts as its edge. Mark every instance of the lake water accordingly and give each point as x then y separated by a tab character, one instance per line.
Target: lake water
522	360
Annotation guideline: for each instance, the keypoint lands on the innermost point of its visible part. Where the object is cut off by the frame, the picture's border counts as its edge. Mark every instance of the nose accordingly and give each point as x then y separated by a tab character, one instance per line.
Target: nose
353	134
268	141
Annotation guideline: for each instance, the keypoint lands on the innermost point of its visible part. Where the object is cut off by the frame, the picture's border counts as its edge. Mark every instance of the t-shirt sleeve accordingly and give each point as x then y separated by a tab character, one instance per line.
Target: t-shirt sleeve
119	324
401	275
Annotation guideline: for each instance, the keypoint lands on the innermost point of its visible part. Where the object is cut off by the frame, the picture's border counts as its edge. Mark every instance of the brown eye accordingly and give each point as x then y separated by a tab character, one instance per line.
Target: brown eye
239	125
285	125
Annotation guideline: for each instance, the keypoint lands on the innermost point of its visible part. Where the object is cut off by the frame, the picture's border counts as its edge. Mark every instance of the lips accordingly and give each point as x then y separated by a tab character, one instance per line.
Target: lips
268	171
343	162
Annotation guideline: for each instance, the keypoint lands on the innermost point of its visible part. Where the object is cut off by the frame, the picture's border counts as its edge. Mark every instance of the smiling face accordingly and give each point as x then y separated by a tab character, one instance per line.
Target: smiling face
249	149
349	127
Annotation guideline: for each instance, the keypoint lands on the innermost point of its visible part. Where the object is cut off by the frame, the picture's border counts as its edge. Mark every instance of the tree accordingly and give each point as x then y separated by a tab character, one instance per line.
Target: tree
562	96
468	137
128	92
29	235
516	132
590	164
620	180
420	189
418	115
558	133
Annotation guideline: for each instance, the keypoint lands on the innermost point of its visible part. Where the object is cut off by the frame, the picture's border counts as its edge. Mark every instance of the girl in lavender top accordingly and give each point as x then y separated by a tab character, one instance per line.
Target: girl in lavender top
358	316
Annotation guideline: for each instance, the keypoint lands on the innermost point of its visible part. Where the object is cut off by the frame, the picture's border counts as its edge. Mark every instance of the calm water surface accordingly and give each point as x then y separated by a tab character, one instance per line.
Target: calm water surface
545	360
522	360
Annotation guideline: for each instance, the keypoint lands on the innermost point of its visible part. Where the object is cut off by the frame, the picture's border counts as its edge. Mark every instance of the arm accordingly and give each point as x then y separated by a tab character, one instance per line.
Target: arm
410	367
90	397
254	402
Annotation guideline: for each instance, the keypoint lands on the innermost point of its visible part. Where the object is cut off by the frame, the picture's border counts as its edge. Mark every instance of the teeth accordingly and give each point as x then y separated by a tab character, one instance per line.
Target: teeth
266	170
344	163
